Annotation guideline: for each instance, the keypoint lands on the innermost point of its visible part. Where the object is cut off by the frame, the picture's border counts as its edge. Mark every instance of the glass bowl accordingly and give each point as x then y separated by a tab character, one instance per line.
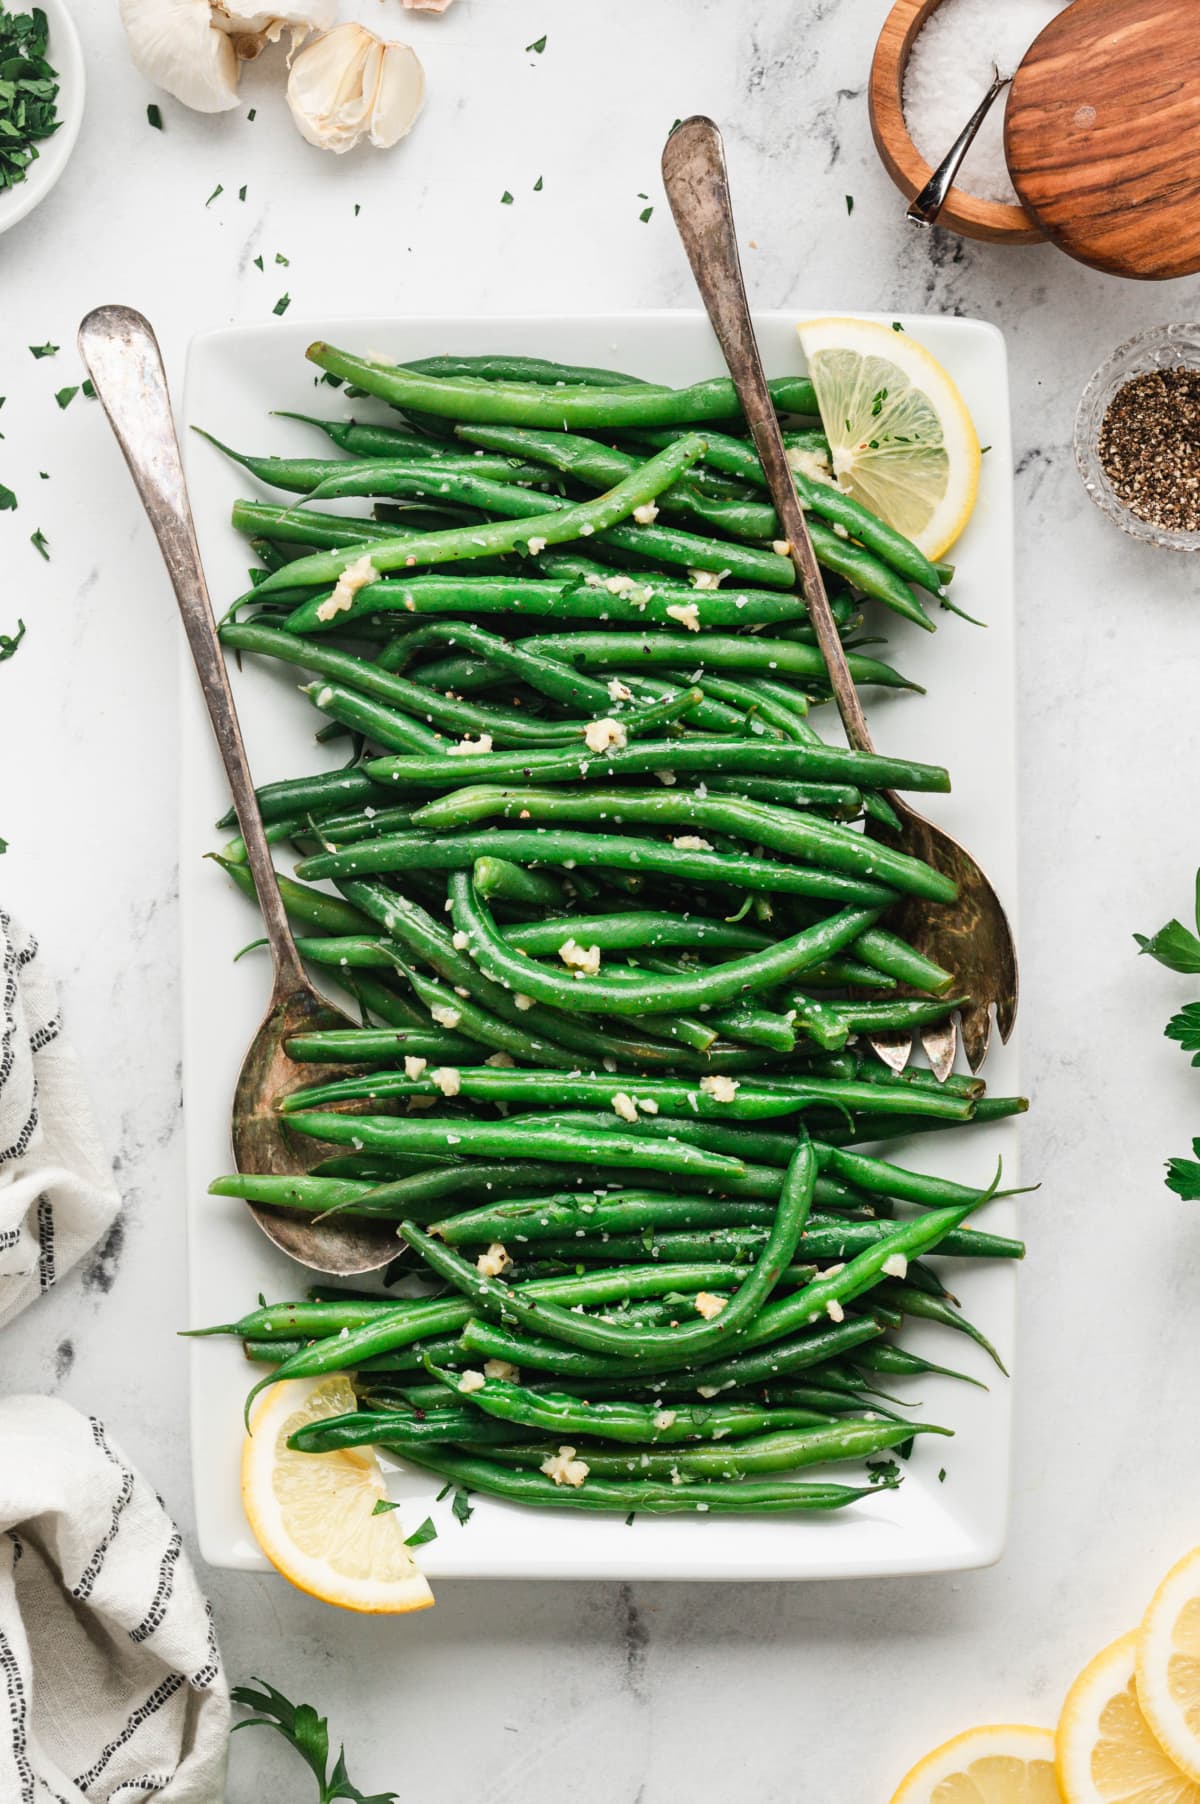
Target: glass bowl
1163	348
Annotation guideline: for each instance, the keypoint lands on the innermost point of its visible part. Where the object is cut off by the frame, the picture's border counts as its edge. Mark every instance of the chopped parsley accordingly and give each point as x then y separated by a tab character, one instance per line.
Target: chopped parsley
1178	948
984	449
285	261
461	1507
629	1518
896	326
219	189
849	203
644	215
942	1476
46	350
357	209
28	92
883	1471
282	304
65	396
89	389
242	193
383	1505
38	541
154	116
10	641
8	500
419	1536
877	401
258	262
538	45
252	115
506	199
537	186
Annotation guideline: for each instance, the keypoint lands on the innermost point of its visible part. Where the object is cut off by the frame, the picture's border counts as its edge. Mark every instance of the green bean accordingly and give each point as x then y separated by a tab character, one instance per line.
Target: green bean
306	906
798	836
741	1496
380	725
302	796
753	757
363	439
620	932
884	1356
489	1030
552	528
696	651
306	526
310	475
361	1045
476	1139
532	404
401	1429
499	878
931	1309
491	368
771	1452
561	847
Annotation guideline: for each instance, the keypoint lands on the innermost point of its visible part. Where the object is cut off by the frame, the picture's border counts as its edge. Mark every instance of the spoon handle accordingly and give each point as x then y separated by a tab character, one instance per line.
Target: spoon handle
697	185
121	353
929	202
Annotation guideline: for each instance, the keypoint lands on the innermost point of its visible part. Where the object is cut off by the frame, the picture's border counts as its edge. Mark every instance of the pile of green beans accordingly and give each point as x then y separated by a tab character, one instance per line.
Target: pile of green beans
609	907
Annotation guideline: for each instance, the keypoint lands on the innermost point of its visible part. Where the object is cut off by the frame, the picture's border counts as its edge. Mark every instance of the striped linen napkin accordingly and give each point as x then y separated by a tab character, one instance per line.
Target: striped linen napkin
57	1194
109	1664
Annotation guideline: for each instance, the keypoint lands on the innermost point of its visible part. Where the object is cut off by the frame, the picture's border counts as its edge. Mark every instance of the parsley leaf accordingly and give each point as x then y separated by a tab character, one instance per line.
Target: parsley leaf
462	1509
419	1536
383	1505
309	1735
1174	947
38	541
537	186
154	116
28	92
1183	1176
10	641
280	258
1185	1027
282	304
883	1471
506	199
644	215
849	203
219	189
41	351
538	45
65	396
8	500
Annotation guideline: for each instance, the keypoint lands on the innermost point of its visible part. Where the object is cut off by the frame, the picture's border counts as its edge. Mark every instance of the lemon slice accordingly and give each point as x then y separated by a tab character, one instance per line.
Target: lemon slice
312	1512
1001	1764
1105	1750
901	438
1168	1664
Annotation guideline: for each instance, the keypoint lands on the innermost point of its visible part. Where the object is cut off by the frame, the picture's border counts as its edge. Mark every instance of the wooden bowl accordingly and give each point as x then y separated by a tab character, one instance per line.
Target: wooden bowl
996	222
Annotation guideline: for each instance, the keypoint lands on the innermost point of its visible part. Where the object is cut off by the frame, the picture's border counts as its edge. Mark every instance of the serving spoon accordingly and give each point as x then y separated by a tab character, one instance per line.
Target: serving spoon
971	936
122	357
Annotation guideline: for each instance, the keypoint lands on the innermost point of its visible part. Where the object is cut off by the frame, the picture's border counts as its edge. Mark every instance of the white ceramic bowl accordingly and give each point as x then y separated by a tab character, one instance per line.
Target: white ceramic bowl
65	55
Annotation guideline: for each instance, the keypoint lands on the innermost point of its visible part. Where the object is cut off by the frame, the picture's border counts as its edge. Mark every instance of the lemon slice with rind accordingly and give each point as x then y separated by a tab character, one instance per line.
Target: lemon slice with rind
901	438
1168	1664
312	1513
1105	1750
1004	1763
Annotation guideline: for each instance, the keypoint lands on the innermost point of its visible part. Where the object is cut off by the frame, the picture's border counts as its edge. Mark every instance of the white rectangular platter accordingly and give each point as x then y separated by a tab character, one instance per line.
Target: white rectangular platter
950	1512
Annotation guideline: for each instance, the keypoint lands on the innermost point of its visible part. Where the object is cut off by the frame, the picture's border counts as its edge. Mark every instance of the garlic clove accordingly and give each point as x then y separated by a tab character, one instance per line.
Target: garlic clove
351	84
427	6
192	48
173	44
251	32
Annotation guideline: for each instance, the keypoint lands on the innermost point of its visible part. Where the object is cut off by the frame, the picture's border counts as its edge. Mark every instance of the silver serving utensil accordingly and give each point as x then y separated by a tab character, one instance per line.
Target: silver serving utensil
122	357
971	936
928	204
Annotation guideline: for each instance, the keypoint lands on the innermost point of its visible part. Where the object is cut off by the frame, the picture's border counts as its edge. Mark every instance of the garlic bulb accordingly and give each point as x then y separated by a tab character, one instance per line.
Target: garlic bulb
350	84
193	48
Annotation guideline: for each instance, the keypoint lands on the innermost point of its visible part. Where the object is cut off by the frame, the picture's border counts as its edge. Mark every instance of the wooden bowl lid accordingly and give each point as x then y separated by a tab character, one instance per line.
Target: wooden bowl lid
1102	135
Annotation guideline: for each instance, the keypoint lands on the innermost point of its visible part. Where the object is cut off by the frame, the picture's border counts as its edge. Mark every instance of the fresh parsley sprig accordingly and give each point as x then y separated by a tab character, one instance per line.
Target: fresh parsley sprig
1178	948
309	1735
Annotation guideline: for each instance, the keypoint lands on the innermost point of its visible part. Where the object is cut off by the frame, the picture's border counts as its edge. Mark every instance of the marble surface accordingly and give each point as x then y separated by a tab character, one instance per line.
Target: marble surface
818	1692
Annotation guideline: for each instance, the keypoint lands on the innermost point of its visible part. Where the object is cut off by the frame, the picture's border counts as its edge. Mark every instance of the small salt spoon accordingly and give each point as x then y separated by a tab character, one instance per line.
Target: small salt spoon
929	202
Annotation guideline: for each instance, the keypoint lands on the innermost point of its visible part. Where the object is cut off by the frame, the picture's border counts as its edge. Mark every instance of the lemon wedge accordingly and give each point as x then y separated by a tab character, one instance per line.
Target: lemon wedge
1105	1750
312	1513
1168	1664
901	438
1001	1764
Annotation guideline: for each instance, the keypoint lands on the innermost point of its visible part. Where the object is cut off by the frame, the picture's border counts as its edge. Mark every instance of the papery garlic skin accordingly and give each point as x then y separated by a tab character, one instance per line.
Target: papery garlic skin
351	84
426	6
193	48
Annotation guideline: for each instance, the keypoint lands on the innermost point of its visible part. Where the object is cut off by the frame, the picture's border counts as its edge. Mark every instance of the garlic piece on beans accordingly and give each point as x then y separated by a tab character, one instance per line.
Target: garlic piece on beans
194	48
351	85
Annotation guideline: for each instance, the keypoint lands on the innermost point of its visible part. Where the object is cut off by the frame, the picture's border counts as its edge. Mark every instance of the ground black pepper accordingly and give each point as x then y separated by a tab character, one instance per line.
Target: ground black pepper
1150	447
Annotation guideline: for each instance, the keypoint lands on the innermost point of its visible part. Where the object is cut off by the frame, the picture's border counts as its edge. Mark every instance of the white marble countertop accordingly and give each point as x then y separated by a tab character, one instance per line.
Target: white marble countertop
637	1695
